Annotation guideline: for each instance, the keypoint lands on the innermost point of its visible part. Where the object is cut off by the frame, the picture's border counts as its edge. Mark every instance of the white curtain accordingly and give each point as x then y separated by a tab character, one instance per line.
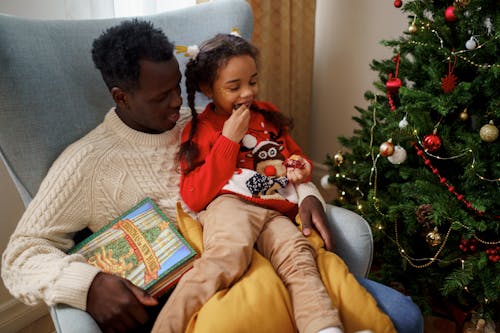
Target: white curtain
91	9
146	7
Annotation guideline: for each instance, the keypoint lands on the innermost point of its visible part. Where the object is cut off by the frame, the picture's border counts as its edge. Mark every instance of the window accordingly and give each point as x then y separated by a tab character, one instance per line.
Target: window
124	8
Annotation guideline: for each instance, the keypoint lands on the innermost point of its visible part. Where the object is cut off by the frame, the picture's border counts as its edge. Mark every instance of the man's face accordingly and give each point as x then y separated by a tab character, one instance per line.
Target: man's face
153	107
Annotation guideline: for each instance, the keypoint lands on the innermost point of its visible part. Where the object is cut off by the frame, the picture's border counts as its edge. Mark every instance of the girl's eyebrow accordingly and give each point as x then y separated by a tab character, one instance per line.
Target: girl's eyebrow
237	80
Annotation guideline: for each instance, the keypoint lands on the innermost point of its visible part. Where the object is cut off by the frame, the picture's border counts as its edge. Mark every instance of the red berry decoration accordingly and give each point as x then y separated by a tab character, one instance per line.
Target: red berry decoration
449	14
398	3
432	142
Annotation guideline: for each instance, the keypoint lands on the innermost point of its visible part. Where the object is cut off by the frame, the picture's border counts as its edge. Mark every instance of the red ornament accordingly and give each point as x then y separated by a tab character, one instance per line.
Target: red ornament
393	84
449	82
432	142
398	3
449	14
386	148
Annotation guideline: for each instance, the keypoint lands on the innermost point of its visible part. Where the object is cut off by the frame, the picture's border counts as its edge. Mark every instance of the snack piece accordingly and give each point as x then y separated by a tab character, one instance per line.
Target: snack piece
293	163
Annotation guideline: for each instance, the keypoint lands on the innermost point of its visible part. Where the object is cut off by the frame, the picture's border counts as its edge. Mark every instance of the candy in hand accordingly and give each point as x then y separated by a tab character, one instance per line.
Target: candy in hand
293	163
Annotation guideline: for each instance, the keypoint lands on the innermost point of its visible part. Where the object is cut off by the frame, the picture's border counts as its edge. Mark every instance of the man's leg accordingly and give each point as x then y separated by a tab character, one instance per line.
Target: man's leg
405	315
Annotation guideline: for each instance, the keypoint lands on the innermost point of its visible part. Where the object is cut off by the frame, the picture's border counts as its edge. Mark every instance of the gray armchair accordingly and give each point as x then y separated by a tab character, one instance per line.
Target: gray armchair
51	95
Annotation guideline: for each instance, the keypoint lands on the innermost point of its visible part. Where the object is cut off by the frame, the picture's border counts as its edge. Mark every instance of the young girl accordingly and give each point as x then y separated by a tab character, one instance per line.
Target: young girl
239	171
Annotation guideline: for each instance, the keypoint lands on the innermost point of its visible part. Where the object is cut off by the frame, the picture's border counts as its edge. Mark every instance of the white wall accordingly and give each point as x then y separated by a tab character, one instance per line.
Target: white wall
346	40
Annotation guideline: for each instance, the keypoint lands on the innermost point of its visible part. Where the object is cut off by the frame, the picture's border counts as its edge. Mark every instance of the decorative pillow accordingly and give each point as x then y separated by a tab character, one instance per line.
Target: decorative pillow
259	301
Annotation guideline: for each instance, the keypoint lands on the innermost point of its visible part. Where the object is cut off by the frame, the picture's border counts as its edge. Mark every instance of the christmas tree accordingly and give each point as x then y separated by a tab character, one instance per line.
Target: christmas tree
423	167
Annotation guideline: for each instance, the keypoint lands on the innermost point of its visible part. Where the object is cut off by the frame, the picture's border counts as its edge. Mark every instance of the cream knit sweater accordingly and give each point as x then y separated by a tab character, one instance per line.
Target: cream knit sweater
93	181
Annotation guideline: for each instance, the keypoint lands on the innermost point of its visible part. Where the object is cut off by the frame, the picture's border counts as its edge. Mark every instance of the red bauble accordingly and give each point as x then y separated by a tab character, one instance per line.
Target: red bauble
386	148
393	85
449	14
432	142
398	3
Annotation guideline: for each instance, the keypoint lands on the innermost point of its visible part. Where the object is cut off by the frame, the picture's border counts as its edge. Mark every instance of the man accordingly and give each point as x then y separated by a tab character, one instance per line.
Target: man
130	155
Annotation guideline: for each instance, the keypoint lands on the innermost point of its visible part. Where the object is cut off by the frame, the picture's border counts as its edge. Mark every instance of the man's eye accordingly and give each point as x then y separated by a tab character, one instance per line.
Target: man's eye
253	83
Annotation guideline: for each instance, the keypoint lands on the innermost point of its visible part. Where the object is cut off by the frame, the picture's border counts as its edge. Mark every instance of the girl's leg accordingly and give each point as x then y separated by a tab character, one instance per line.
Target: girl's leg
293	258
230	229
405	314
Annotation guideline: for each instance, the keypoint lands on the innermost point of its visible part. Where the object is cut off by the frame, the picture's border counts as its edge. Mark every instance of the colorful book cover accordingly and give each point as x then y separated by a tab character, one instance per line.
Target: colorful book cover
141	246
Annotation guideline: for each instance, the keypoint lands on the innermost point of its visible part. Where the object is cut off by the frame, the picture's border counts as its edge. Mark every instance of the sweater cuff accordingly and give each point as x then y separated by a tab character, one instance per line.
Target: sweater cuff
306	189
72	286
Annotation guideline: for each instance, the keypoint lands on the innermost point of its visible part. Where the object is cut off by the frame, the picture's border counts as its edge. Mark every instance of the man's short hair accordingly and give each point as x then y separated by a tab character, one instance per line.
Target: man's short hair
117	52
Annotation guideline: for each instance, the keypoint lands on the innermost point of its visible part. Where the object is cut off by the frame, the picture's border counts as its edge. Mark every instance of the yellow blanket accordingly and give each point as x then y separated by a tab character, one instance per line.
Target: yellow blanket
259	301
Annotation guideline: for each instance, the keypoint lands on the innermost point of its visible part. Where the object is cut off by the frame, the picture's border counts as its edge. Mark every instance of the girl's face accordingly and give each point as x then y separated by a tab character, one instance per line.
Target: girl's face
235	84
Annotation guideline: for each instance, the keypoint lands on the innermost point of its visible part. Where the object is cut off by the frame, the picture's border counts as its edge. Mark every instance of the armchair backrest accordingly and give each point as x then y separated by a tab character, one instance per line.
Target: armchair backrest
50	92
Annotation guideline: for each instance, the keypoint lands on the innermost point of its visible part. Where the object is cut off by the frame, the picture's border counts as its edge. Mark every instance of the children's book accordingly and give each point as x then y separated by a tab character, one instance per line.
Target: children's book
141	246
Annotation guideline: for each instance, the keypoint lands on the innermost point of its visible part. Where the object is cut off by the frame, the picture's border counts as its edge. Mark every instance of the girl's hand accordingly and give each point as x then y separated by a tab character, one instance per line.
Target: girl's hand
298	175
236	126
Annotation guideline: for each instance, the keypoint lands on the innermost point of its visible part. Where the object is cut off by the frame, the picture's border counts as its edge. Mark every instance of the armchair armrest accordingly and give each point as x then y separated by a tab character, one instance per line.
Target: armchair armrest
353	237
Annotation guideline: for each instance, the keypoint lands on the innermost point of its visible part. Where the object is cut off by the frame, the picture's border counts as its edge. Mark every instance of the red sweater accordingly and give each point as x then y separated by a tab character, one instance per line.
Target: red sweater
229	167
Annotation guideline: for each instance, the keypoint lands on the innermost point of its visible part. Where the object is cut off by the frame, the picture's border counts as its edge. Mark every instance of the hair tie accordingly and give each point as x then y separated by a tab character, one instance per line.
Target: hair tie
235	32
192	51
189	51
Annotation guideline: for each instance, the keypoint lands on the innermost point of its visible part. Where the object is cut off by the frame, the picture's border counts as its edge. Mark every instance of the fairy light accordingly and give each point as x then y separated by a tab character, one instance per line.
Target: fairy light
439	37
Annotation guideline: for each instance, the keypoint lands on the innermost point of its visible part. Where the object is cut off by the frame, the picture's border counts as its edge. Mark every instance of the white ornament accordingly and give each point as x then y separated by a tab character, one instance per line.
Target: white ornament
403	123
325	183
399	155
488	25
471	44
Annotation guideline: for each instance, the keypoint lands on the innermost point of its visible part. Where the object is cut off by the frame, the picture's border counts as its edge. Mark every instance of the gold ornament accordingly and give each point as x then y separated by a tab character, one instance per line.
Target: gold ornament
433	238
488	132
462	3
412	28
464	115
338	158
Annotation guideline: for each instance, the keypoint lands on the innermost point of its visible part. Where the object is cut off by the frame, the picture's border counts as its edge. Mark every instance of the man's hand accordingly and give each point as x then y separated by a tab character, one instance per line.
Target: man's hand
116	304
312	215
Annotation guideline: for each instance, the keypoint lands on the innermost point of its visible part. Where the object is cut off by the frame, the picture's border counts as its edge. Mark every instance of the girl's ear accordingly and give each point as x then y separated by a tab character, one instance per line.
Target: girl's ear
120	97
206	89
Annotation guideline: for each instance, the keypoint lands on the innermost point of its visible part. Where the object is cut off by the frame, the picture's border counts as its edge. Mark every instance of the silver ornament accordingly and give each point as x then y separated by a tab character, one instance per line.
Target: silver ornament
403	123
471	44
399	155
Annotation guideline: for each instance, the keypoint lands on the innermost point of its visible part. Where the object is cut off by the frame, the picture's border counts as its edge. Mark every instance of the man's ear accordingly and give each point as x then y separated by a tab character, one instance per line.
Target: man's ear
206	89
120	97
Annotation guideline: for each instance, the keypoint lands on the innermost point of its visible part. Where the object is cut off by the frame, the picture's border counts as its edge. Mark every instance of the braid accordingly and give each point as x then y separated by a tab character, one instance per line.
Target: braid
189	150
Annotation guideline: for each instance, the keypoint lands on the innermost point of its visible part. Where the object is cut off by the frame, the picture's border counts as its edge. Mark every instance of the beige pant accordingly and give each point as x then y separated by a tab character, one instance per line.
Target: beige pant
231	227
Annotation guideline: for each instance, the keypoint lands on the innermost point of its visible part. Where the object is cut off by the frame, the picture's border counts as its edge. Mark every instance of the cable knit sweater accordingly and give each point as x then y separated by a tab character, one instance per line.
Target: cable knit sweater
93	181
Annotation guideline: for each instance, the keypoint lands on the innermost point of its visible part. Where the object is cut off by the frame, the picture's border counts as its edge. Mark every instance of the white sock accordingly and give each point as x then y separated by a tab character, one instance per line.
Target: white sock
331	330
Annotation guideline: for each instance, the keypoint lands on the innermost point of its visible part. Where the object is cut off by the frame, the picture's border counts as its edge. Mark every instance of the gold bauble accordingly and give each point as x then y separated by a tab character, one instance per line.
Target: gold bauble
488	132
433	238
462	3
338	158
464	115
412	28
